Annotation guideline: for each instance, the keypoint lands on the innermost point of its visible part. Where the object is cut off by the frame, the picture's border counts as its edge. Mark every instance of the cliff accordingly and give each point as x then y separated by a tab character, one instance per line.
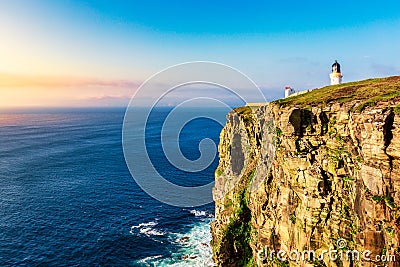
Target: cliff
318	171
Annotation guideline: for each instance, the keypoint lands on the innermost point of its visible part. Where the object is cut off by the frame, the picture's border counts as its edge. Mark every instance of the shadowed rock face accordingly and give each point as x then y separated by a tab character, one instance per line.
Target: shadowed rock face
237	156
332	173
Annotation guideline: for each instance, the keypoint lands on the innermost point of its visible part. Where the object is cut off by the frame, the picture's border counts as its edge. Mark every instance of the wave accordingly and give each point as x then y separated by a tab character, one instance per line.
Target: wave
201	213
149	259
146	229
190	249
144	224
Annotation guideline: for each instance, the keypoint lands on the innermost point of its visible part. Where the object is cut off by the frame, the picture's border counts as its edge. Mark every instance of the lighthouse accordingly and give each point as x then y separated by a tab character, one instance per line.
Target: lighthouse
336	75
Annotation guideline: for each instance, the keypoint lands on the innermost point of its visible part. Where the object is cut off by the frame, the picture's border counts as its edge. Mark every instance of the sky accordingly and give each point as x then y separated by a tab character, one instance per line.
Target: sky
98	53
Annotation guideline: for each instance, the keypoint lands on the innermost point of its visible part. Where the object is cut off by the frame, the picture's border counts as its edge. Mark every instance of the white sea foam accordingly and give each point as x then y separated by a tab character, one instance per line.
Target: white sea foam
147	229
151	232
201	213
193	248
149	259
144	225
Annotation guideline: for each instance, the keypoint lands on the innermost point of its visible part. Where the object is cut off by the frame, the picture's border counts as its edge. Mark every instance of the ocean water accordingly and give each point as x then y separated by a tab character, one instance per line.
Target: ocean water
67	197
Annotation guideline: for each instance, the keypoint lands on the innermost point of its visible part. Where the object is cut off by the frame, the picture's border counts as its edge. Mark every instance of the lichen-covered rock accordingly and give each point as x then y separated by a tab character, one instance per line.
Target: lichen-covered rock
298	178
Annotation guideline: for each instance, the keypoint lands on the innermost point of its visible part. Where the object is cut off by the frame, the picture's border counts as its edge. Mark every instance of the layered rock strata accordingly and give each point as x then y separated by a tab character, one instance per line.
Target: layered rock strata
308	178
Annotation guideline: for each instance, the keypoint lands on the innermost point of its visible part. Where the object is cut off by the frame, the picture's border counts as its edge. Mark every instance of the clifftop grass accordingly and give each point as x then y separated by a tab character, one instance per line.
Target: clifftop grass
367	92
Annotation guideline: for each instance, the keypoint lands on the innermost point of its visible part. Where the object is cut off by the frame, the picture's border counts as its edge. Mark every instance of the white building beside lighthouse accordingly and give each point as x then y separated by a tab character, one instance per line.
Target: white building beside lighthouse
336	76
289	91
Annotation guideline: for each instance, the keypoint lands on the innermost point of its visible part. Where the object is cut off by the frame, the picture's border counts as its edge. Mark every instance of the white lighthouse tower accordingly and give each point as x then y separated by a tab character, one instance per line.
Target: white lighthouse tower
336	76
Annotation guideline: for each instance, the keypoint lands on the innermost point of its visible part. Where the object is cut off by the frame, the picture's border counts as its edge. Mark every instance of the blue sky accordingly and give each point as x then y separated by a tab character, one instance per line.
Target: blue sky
84	53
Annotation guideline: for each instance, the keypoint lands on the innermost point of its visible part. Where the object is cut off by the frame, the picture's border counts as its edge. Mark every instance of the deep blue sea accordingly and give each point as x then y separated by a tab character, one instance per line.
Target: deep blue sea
67	197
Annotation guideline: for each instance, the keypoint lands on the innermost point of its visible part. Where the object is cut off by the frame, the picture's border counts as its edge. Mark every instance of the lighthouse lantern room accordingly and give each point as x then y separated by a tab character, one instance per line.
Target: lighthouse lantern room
336	75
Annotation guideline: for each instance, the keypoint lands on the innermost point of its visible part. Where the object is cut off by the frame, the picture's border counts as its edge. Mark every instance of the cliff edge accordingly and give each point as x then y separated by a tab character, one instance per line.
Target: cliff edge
319	171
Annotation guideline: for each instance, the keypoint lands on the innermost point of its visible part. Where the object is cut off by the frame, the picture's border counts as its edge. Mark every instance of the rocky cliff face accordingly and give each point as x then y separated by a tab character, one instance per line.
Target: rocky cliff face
295	177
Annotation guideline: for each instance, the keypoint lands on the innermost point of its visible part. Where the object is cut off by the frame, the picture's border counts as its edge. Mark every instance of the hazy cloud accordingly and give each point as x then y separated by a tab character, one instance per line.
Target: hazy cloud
107	101
18	80
383	69
293	59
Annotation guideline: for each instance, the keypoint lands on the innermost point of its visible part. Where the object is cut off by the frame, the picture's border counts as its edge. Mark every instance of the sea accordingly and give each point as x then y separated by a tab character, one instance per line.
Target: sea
67	197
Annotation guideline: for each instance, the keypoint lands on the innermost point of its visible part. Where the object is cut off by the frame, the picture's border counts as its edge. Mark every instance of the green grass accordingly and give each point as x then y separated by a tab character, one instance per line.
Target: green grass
293	218
237	234
228	204
243	110
389	202
368	92
390	231
377	198
278	131
219	172
347	178
397	109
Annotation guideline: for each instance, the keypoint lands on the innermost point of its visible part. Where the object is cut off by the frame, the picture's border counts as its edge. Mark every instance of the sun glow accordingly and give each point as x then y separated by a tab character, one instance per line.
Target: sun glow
32	91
